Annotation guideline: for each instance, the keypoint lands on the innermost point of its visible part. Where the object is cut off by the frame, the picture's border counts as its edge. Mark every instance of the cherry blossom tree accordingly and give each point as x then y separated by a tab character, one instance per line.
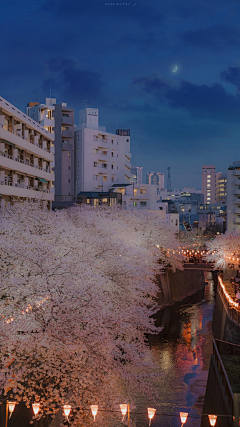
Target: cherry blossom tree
224	250
76	302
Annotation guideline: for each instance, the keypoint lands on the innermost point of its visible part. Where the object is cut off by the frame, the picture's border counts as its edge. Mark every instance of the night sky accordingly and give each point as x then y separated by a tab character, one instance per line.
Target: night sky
120	57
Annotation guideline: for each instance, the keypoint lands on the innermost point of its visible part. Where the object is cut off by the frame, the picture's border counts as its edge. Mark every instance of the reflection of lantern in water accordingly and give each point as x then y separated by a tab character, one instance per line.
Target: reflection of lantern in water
151	413
67	409
212	419
94	409
183	417
123	408
36	407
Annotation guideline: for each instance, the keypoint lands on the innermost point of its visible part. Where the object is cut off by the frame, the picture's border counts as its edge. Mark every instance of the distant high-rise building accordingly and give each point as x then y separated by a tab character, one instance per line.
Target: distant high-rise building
155	178
221	189
58	119
102	159
136	172
209	184
169	185
233	197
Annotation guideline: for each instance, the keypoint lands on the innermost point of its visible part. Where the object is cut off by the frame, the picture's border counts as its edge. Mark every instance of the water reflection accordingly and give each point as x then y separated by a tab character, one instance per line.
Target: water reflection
182	352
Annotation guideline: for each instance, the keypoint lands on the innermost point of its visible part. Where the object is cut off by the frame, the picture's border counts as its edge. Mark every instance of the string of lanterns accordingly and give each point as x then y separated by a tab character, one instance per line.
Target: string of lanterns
229	299
125	408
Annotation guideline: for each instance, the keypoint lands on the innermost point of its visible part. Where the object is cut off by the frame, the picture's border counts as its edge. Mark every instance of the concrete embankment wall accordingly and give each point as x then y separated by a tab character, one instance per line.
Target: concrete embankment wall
224	328
173	286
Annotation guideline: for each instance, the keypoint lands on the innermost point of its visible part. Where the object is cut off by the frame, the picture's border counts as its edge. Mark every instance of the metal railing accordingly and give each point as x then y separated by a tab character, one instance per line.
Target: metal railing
24	162
21	185
29	139
224	378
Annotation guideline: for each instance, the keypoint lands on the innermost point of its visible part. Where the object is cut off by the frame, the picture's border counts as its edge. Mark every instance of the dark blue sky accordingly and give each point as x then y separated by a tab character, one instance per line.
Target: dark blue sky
121	56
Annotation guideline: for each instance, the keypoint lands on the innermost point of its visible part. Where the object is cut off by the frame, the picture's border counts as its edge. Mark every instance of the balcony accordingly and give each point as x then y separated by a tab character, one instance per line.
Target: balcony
21	190
237	209
47	122
28	144
67	134
67	120
12	163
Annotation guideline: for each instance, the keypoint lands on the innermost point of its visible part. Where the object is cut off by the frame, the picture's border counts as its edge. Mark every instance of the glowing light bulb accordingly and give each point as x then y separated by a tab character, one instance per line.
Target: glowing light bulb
36	407
151	413
94	409
183	417
212	420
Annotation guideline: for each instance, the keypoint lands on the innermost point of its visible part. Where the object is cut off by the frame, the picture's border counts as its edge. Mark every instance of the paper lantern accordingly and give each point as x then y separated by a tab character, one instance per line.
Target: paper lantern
151	413
123	408
11	406
36	407
94	409
183	417
67	409
212	420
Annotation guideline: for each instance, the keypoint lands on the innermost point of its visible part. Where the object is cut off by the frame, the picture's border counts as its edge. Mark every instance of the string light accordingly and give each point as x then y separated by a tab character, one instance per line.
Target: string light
230	300
183	417
36	407
123	408
66	409
151	413
212	420
94	409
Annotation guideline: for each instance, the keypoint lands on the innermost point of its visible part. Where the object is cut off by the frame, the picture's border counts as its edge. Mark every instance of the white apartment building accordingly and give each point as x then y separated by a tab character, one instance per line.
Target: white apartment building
144	196
101	158
233	197
26	154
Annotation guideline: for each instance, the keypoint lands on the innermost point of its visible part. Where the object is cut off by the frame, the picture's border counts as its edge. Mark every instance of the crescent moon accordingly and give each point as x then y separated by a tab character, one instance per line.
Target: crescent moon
175	68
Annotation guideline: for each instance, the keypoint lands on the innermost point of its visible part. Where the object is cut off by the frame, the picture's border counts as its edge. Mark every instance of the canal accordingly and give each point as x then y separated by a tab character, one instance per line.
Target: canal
182	352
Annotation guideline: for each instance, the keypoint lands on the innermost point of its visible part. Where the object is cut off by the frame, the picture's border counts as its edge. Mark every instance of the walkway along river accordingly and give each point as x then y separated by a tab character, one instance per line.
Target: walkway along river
182	352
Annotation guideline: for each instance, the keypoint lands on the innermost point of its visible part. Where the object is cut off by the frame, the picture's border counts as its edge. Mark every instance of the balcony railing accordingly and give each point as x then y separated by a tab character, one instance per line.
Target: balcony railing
24	162
29	139
21	185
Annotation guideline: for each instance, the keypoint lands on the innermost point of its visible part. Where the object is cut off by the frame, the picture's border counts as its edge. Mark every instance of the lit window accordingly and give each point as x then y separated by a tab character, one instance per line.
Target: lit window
208	198
208	180
208	176
68	154
208	185
104	178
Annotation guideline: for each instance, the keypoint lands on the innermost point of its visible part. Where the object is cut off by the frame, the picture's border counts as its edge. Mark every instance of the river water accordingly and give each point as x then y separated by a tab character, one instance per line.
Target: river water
182	352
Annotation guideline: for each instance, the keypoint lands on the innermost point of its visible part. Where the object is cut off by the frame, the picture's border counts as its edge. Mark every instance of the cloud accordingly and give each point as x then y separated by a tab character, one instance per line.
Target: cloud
231	75
218	37
210	102
72	81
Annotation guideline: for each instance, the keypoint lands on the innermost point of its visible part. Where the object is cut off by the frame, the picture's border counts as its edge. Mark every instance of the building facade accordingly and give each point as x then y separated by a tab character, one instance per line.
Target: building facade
209	184
26	156
155	178
58	119
233	197
101	158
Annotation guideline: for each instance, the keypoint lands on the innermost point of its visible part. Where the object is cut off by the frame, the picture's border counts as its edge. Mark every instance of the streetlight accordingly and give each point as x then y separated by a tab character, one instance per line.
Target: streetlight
212	420
9	408
94	409
151	413
183	417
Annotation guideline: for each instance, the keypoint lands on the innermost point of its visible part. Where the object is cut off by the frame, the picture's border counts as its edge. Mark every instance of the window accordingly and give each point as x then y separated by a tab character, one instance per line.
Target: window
112	153
69	181
65	115
112	141
95	177
95	164
135	192
127	140
135	204
208	185
117	142
105	178
68	154
104	165
208	176
78	137
78	164
143	203
143	191
78	177
112	178
69	167
77	151
208	180
112	166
